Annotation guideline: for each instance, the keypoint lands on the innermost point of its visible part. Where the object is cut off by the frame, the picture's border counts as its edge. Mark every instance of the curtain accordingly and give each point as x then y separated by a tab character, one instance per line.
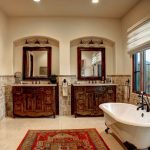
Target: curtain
138	38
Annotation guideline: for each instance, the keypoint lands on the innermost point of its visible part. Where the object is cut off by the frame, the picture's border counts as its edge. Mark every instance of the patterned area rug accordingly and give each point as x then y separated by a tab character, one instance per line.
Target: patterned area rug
74	139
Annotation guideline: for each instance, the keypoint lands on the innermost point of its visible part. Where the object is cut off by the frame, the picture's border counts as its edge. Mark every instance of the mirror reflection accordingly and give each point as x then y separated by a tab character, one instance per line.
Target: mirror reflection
91	62
36	62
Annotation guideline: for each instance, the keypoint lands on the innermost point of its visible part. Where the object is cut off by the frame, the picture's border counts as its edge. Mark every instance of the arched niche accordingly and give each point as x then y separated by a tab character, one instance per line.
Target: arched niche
35	41
108	44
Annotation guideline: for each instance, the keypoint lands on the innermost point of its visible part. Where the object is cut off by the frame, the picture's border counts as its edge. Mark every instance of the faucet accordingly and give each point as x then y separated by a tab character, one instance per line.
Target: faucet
143	102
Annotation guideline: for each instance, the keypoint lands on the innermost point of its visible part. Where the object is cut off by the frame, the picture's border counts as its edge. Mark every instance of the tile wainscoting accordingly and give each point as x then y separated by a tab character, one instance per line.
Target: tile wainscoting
5	80
6	102
123	93
65	101
2	103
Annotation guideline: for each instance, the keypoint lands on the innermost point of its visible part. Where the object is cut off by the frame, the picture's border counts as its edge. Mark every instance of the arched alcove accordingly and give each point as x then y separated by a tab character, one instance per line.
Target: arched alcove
35	41
93	41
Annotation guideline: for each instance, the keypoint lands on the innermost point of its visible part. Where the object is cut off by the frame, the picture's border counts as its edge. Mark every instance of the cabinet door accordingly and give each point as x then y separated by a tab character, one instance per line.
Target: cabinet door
48	99
38	103
79	102
17	104
29	102
49	103
99	98
89	105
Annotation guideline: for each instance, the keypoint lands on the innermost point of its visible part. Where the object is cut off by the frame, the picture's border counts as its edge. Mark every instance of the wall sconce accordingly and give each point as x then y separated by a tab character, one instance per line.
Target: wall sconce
91	42
101	42
81	42
47	42
26	42
37	42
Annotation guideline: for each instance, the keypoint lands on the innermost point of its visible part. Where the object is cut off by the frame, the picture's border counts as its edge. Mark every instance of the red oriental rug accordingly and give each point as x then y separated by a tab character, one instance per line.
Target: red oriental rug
73	139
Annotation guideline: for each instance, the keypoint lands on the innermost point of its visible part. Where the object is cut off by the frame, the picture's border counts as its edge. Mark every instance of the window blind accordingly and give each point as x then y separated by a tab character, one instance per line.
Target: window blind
139	37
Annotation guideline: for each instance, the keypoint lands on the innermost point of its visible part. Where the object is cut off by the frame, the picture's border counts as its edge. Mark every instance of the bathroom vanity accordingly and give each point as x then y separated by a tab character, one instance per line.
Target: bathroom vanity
35	100
86	98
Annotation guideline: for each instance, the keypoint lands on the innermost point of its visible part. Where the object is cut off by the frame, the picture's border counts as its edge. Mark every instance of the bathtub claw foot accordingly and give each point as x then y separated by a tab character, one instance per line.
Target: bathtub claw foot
106	130
129	146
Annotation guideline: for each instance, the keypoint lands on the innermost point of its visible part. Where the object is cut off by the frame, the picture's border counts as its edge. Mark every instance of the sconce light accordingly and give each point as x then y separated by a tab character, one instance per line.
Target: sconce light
37	42
81	42
91	42
101	42
47	42
26	42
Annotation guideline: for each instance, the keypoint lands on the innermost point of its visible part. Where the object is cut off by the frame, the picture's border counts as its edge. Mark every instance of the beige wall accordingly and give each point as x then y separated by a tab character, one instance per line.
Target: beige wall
4	61
64	30
110	60
18	54
141	10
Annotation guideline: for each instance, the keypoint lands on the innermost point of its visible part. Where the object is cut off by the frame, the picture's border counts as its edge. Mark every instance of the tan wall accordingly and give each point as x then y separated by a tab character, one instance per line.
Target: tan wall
4	61
110	60
64	30
17	59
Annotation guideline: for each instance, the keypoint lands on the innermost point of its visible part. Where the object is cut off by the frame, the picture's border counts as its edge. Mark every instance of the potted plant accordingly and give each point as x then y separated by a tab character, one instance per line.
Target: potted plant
53	78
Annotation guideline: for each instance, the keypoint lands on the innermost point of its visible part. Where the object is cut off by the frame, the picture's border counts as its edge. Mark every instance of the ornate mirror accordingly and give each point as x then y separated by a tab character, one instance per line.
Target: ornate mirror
91	63
36	63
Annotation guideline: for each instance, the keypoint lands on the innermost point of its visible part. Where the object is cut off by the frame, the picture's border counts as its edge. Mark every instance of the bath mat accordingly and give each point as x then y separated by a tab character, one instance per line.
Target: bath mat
73	139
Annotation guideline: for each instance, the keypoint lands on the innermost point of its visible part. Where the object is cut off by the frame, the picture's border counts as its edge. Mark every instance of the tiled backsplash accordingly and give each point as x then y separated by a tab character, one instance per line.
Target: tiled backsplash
2	103
4	80
123	90
64	101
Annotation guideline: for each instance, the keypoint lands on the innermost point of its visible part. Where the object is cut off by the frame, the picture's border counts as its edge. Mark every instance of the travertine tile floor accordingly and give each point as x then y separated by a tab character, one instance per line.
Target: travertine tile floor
12	130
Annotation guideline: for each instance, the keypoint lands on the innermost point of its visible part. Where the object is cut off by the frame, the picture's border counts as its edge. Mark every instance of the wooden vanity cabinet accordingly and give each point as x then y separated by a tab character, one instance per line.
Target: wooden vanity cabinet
86	99
34	101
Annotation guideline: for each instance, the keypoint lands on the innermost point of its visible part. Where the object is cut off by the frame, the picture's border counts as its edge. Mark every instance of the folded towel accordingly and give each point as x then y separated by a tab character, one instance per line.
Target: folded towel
65	89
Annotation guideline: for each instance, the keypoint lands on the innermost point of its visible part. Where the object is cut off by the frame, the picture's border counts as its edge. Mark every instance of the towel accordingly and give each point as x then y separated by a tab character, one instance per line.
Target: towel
65	89
126	92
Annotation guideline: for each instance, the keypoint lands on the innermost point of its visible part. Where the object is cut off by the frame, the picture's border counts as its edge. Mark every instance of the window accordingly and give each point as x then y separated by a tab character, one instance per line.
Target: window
147	71
141	71
136	72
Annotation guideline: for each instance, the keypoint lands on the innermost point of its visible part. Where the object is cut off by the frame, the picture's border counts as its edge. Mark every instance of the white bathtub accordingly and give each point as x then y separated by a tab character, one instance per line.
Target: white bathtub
127	123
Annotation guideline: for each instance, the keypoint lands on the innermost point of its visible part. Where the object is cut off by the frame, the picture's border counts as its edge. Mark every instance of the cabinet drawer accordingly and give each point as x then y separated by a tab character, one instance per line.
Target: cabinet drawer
17	90
81	89
80	96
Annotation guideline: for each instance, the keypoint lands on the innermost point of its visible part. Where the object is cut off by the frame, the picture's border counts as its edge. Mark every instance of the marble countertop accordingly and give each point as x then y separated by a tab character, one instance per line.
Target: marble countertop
34	84
93	84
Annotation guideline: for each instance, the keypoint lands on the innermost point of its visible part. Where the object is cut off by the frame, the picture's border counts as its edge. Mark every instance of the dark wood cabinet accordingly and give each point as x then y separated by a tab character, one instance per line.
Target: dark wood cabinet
86	99
34	101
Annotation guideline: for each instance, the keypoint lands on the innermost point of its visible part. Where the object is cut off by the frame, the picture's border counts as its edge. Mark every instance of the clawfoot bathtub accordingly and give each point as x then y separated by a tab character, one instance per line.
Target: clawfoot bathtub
128	123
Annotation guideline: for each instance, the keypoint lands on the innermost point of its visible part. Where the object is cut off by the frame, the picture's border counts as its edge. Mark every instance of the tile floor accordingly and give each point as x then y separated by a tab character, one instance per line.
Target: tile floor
12	130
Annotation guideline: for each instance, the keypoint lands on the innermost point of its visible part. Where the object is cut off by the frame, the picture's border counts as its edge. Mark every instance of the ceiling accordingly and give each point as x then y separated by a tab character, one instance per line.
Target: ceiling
67	8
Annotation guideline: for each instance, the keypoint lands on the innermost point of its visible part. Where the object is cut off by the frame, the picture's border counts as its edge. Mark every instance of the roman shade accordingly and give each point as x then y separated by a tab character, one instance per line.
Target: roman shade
138	37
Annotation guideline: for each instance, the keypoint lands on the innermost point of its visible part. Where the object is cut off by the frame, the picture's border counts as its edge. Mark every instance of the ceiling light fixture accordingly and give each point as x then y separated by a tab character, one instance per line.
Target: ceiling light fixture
95	1
37	1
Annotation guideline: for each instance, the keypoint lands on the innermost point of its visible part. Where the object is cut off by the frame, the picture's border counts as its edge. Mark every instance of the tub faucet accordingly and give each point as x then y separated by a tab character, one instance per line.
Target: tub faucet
143	102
